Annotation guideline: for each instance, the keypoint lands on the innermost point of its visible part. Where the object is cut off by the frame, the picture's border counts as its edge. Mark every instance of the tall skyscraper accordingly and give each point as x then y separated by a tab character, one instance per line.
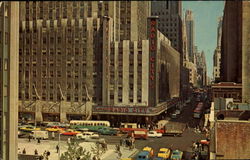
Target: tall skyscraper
231	43
170	20
9	44
189	19
217	52
235	46
133	20
62	54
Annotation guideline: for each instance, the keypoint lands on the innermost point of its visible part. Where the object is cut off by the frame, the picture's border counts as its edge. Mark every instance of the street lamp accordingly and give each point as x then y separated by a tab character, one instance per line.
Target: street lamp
59	148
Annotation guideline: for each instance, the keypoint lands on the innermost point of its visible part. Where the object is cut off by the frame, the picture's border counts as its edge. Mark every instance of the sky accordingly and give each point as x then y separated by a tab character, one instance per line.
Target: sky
206	14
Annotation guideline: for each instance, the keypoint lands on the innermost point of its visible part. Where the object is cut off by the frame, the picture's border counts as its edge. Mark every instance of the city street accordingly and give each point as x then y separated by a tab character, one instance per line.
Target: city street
182	143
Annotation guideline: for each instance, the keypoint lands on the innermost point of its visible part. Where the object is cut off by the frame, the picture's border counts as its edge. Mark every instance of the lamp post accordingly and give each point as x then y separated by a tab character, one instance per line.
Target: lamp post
59	148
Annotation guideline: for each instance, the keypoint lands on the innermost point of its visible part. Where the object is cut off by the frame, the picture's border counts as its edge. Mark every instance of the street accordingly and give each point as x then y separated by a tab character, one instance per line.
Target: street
183	143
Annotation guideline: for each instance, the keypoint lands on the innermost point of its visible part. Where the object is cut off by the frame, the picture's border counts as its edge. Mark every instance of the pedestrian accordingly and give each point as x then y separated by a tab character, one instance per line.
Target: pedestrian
38	140
124	142
48	153
53	135
121	141
57	148
24	151
68	140
29	137
94	158
36	152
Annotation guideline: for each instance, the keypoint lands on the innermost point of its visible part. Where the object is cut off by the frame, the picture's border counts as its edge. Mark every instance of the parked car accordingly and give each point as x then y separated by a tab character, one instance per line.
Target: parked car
87	135
176	155
70	132
154	134
150	150
82	129
54	129
107	131
29	128
143	155
164	153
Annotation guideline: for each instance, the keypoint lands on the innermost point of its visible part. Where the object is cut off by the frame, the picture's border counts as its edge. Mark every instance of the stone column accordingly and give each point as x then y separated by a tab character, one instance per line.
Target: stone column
246	52
38	111
63	117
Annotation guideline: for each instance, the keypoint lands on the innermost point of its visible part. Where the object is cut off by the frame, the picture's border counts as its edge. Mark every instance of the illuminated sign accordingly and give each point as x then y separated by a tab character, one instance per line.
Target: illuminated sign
120	109
152	35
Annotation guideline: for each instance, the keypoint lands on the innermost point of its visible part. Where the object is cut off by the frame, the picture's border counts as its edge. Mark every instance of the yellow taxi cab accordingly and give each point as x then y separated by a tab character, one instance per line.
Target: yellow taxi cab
164	153
54	129
126	159
150	150
29	129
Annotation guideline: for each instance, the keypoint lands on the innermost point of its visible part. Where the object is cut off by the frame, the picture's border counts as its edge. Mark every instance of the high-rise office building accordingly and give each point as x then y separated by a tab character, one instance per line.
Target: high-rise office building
189	19
231	43
61	53
9	32
170	20
235	46
217	52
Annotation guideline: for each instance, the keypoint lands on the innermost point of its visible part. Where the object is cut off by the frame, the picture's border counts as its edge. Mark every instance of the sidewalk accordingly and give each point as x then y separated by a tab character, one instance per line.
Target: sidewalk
50	146
113	155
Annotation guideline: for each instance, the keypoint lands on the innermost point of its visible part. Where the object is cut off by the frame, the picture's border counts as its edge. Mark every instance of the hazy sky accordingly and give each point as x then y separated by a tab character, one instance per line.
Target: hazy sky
206	15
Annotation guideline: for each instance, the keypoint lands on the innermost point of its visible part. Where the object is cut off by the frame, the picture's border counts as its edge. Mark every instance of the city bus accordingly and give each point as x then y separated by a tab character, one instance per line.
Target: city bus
198	111
90	125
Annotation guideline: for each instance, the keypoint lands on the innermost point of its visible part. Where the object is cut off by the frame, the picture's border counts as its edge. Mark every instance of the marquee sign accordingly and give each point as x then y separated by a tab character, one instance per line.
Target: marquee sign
120	109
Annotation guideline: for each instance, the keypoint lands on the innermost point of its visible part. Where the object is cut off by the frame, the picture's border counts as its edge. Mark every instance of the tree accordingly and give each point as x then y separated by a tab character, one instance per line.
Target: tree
97	150
75	152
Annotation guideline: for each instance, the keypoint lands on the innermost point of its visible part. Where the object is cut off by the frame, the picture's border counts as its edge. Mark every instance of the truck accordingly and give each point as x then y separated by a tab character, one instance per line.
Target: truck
127	127
174	128
40	134
139	134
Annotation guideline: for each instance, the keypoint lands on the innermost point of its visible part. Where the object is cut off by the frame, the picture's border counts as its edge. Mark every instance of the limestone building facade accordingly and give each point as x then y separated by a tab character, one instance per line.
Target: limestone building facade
9	32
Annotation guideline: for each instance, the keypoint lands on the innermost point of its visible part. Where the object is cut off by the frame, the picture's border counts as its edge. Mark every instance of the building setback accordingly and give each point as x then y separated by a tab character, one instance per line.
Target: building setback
9	32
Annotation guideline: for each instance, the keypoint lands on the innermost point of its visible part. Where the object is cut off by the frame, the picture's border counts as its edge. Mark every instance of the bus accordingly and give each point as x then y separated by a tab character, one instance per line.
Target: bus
198	111
90	125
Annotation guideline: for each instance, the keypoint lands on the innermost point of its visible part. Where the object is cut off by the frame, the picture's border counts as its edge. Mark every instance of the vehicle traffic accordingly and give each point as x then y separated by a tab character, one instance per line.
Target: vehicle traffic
54	129
87	136
144	155
90	125
40	134
107	131
173	128
164	153
29	128
70	132
139	134
198	112
176	155
154	134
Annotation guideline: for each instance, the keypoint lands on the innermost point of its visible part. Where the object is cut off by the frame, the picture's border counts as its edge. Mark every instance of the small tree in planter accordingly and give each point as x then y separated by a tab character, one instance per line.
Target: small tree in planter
75	152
